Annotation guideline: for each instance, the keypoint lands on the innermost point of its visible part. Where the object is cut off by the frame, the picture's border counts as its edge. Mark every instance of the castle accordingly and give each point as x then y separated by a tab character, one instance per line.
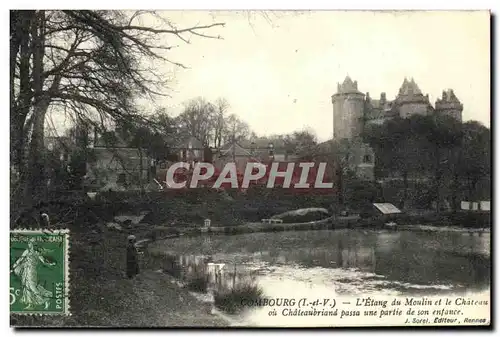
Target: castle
353	110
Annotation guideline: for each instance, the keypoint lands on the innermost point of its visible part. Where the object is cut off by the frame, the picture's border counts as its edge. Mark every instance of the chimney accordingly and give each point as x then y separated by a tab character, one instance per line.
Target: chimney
93	142
382	98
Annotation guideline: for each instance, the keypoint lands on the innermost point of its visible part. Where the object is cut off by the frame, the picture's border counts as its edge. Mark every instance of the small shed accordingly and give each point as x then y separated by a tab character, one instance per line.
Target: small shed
386	208
382	211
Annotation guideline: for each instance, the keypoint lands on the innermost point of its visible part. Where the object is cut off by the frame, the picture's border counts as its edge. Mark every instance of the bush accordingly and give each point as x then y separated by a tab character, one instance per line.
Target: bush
198	283
233	300
471	219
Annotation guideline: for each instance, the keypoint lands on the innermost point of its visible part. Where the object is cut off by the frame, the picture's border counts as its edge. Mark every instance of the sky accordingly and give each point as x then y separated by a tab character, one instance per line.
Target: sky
278	70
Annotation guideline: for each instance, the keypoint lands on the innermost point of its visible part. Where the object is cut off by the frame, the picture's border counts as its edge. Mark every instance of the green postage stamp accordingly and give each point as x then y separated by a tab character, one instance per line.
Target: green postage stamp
39	275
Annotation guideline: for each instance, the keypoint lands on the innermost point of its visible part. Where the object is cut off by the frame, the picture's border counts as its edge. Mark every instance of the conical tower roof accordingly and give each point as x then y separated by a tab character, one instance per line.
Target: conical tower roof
348	86
409	88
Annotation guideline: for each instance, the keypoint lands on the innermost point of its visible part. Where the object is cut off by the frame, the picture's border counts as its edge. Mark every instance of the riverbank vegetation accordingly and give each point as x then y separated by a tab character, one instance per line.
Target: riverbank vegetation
237	298
434	161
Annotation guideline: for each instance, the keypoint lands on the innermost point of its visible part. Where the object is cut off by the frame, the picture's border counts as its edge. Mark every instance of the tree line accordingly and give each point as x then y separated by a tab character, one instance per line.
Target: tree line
449	154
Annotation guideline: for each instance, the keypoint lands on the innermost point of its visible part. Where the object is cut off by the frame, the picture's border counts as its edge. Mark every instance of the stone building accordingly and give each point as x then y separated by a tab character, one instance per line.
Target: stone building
116	166
449	105
354	110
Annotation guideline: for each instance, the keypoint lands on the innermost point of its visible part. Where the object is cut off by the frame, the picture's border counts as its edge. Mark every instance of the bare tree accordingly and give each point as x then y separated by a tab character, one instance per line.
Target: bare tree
197	119
235	129
221	107
210	123
92	65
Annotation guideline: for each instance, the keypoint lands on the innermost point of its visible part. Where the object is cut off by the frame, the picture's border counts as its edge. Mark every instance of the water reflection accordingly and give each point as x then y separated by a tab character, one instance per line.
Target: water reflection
349	260
217	275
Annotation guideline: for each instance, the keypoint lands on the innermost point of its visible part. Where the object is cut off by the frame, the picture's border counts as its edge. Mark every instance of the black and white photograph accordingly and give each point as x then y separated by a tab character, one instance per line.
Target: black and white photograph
250	168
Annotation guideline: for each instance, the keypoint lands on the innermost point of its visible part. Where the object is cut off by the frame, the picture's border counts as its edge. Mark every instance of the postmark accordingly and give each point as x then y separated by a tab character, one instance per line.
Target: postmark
39	272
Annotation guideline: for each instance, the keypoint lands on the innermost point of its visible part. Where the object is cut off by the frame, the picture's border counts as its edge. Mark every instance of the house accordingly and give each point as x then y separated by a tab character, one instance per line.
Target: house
190	149
116	166
60	145
235	153
247	151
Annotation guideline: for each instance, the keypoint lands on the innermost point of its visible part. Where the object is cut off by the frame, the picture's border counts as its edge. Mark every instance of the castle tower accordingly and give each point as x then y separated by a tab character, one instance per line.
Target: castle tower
411	101
348	107
449	105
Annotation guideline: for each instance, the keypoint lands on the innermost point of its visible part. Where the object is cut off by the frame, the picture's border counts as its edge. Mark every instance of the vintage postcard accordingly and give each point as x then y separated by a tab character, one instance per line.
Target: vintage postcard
250	168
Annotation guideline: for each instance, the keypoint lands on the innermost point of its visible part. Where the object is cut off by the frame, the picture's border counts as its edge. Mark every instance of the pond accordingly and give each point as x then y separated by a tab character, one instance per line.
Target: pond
335	262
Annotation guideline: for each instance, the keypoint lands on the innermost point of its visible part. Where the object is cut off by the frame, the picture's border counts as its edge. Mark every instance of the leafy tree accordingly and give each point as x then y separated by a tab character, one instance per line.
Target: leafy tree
439	147
475	158
303	143
445	137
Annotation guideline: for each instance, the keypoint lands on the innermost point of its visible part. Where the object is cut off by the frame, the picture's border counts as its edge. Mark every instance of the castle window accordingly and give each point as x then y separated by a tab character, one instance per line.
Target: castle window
367	159
122	179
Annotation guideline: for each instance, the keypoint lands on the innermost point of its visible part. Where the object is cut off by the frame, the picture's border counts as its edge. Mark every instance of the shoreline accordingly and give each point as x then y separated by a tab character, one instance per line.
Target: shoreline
325	224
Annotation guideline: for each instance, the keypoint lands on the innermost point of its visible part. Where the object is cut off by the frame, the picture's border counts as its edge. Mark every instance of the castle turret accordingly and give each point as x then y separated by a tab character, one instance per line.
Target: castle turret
383	99
411	101
449	105
348	108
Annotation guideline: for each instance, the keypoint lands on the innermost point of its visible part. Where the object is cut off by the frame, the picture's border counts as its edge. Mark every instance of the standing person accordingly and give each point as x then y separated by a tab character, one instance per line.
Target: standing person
132	257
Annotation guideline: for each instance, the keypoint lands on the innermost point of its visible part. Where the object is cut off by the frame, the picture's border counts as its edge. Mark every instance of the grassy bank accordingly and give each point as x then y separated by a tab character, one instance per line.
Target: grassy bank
464	221
186	213
101	296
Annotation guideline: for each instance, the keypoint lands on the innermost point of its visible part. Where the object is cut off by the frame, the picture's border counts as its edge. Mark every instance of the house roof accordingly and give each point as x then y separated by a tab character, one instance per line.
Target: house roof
190	142
386	208
326	147
239	151
235	149
104	141
128	158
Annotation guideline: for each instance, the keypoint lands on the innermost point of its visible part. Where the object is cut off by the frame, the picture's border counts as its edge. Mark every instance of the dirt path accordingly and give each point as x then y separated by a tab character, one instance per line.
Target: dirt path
171	306
149	300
